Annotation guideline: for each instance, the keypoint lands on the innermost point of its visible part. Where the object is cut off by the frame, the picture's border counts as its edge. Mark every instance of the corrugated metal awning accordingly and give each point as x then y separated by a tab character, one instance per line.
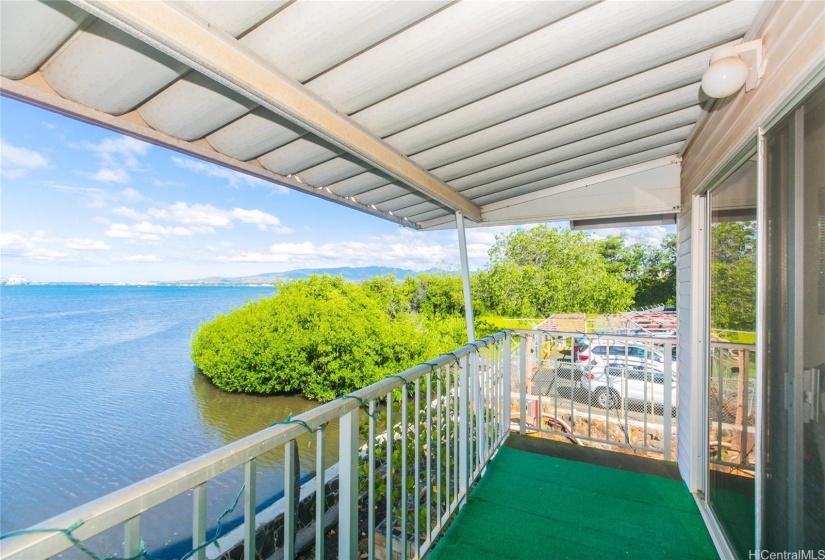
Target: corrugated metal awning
406	110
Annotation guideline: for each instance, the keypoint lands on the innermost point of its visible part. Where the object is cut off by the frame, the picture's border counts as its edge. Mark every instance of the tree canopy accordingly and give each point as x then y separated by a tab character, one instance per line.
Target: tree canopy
539	271
326	337
733	276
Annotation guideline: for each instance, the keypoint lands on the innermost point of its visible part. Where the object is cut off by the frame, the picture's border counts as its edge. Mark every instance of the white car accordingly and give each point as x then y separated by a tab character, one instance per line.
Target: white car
627	371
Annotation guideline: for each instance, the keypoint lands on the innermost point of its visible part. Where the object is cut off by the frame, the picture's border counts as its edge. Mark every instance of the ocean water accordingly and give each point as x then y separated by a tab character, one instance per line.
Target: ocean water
98	391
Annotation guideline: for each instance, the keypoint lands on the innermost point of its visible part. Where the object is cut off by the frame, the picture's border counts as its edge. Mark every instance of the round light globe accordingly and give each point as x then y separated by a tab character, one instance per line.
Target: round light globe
725	76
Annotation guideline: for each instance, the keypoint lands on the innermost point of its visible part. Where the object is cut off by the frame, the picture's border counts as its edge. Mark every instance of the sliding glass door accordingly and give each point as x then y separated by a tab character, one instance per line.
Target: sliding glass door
793	424
731	361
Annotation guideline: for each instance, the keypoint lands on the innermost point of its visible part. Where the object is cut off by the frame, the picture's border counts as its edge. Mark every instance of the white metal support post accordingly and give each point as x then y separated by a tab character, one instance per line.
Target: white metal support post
348	486
465	277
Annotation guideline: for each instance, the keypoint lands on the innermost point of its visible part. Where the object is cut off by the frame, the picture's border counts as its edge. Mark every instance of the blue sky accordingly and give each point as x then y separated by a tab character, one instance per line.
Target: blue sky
80	203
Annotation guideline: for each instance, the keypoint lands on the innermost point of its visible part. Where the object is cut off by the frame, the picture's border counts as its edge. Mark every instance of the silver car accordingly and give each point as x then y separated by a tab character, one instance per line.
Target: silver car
628	371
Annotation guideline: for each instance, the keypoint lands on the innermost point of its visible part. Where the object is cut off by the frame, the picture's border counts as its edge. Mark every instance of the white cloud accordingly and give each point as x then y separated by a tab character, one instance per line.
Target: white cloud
142	258
81	244
123	149
233	178
16	162
106	175
41	245
208	217
261	219
41	254
145	231
117	155
406	249
130	213
131	195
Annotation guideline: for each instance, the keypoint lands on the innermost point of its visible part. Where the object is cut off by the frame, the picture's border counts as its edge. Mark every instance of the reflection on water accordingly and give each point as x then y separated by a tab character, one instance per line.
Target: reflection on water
233	416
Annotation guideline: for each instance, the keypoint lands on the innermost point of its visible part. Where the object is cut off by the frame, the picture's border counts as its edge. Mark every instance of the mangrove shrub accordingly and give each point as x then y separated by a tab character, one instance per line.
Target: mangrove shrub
322	337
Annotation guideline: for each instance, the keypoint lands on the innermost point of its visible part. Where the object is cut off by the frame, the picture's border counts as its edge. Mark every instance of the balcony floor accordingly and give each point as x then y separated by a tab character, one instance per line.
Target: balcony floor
532	503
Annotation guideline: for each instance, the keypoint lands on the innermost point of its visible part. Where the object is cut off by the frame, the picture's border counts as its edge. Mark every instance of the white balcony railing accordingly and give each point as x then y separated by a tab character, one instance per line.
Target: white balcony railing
605	389
446	420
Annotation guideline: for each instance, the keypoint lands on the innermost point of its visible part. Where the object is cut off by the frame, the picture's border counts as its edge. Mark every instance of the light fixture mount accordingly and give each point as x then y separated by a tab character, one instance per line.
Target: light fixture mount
733	66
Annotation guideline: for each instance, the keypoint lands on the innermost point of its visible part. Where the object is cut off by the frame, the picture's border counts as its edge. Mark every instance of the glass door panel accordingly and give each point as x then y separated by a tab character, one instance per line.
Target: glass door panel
793	427
732	358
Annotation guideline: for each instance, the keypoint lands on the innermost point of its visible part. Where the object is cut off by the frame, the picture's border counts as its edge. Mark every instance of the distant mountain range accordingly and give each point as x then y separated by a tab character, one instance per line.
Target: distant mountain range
354	274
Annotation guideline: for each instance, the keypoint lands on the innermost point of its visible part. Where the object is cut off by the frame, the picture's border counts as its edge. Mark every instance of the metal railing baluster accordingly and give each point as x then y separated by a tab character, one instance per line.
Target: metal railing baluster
131	537
199	520
447	437
429	454
417	469
438	445
390	435
348	450
455	418
290	452
371	483
405	430
320	495
250	482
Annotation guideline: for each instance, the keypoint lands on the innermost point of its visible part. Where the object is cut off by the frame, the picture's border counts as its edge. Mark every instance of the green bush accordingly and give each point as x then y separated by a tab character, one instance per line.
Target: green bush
322	337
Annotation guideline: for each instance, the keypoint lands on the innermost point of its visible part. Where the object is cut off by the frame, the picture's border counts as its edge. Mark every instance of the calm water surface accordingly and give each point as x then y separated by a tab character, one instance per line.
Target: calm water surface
97	391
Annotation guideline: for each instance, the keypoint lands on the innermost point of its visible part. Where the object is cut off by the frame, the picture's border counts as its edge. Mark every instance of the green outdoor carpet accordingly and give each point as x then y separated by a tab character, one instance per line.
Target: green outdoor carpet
534	506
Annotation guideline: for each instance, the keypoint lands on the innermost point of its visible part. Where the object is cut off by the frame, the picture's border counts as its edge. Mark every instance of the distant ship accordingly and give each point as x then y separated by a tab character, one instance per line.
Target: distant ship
16	280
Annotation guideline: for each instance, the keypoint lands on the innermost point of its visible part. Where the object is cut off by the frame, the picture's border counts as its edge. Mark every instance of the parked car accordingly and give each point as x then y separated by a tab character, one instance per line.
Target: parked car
636	355
627	371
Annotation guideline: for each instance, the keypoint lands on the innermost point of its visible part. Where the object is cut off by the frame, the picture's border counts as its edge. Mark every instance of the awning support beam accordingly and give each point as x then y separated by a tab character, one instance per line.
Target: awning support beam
465	277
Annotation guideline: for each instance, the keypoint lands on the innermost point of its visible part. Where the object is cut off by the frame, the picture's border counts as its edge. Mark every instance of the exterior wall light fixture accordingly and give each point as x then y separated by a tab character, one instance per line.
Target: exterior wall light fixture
732	67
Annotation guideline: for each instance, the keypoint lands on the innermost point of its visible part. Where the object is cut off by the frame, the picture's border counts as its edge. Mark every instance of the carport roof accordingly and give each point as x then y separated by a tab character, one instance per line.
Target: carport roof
406	110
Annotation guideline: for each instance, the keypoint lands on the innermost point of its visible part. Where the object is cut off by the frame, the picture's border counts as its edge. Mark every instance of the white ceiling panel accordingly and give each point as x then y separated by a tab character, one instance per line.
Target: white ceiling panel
681	120
685	97
333	170
581	173
253	134
381	194
425	207
234	16
553	47
430	215
31	31
308	37
666	45
193	107
108	70
446	39
537	176
399	203
678	106
301	154
360	183
640	86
